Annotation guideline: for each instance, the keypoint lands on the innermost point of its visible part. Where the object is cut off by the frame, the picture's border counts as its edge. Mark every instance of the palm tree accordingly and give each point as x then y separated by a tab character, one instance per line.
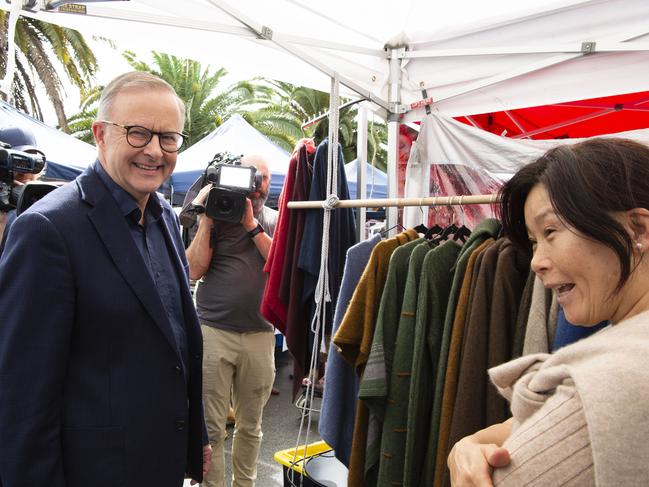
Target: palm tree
80	124
282	114
377	140
35	42
196	87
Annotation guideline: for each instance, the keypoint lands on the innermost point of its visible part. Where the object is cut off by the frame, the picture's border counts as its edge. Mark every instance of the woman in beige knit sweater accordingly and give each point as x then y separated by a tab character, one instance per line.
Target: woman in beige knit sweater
580	415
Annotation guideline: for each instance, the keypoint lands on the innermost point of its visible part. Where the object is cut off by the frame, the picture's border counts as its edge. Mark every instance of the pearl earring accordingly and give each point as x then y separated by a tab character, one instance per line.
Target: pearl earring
639	246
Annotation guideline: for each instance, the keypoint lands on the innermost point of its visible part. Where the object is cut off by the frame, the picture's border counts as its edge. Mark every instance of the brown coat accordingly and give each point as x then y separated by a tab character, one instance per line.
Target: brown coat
488	338
452	367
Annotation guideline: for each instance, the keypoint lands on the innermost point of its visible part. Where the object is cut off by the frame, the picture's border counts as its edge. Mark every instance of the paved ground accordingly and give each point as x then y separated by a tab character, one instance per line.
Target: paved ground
280	425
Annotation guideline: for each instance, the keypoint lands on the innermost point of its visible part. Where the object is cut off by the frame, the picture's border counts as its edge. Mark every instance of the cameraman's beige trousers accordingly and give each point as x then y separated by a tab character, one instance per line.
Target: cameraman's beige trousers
244	364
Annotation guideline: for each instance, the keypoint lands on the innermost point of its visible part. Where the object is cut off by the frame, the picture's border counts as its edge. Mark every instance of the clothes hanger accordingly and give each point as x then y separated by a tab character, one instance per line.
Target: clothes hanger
444	234
435	229
451	229
421	228
464	232
384	233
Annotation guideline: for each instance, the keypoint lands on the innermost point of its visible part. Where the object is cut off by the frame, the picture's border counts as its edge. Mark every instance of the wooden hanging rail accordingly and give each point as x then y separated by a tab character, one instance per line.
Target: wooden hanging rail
477	199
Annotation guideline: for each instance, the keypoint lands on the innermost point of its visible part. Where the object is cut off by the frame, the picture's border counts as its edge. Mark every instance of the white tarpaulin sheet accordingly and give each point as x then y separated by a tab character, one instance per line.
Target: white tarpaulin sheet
451	158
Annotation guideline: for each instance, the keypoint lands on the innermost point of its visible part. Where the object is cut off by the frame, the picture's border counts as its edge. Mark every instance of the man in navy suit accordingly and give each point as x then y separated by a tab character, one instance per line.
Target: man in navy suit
100	347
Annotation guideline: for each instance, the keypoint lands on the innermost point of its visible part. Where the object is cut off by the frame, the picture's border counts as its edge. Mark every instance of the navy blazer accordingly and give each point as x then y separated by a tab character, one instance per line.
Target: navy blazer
92	391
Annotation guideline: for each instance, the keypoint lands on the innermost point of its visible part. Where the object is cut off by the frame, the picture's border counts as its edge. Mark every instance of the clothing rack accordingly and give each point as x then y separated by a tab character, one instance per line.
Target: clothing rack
482	199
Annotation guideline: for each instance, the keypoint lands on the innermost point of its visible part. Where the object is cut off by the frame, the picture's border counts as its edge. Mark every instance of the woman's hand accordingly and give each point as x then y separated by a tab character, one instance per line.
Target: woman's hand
474	457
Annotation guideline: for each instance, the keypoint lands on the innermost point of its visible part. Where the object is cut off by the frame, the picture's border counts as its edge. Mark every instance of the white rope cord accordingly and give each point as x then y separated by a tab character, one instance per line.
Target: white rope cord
322	292
331	202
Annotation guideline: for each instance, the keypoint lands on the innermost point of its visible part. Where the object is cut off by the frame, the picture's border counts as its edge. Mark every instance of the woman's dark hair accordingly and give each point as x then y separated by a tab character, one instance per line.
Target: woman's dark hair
586	183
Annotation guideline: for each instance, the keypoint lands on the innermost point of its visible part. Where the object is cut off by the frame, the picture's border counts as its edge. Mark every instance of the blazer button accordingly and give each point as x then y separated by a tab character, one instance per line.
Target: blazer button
179	369
180	424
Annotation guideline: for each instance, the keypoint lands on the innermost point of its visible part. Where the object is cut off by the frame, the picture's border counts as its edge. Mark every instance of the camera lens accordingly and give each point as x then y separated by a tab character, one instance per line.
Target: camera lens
224	204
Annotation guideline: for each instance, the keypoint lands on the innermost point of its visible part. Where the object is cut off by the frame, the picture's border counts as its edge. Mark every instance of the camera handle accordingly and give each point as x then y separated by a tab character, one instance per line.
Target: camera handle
196	209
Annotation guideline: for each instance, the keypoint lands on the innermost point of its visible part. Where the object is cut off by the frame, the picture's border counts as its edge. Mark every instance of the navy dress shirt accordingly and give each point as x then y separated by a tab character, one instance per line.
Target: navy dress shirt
151	242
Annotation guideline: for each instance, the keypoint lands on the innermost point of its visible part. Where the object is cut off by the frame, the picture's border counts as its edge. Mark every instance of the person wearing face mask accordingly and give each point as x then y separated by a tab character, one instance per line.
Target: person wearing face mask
100	346
579	415
239	362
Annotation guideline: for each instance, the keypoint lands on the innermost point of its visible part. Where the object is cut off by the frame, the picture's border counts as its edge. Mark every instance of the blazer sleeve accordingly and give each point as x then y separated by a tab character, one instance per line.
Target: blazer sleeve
37	308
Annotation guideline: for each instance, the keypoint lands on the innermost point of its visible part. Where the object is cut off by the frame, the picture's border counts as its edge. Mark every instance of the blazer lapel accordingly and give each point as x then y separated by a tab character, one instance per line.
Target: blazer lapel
113	230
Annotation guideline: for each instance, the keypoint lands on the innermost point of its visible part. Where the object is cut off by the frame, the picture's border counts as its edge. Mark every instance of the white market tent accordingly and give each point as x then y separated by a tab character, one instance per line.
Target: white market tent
470	56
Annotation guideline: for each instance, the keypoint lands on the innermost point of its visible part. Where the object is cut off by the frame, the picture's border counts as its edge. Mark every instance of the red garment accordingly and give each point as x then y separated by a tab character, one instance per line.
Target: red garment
273	308
291	288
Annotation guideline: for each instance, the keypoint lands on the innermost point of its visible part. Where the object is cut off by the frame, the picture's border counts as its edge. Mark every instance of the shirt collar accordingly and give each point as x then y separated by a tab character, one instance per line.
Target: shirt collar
126	203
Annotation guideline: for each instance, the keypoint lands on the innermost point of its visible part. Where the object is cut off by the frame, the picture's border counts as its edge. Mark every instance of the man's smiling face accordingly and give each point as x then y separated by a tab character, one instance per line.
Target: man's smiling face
138	171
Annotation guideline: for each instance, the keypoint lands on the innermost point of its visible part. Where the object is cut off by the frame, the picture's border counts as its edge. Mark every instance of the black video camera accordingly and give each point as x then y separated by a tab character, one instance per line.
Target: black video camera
20	196
231	184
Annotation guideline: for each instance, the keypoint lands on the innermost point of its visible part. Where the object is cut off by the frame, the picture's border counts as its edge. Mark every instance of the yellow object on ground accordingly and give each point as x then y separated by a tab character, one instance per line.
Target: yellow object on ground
290	459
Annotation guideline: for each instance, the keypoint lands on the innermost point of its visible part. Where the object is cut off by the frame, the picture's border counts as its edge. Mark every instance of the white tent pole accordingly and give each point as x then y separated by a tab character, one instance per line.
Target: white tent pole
514	121
267	33
633	105
395	55
391	215
573	121
361	165
14	14
472	122
577	48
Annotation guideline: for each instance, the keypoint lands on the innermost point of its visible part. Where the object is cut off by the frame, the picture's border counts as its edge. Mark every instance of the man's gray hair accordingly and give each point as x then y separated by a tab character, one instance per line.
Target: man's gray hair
134	79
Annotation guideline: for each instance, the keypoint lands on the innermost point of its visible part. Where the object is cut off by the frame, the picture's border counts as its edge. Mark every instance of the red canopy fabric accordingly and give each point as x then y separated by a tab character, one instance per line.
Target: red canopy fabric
584	118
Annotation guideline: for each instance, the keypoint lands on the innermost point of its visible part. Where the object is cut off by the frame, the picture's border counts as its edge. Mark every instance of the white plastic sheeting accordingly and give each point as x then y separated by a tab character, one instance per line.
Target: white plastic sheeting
452	158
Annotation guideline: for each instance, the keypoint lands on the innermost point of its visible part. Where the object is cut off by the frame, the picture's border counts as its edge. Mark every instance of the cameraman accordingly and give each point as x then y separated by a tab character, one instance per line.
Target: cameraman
239	343
20	139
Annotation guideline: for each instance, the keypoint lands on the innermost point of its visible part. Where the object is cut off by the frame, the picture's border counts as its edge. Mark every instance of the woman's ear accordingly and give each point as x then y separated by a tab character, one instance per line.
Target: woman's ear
638	226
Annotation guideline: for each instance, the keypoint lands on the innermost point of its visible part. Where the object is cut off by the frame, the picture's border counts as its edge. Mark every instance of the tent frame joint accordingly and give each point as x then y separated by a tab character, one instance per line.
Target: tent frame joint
265	33
588	47
396	108
396	53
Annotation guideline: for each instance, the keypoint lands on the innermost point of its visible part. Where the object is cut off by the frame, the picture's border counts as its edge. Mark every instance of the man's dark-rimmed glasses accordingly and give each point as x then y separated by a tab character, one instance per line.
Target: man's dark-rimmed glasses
138	137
